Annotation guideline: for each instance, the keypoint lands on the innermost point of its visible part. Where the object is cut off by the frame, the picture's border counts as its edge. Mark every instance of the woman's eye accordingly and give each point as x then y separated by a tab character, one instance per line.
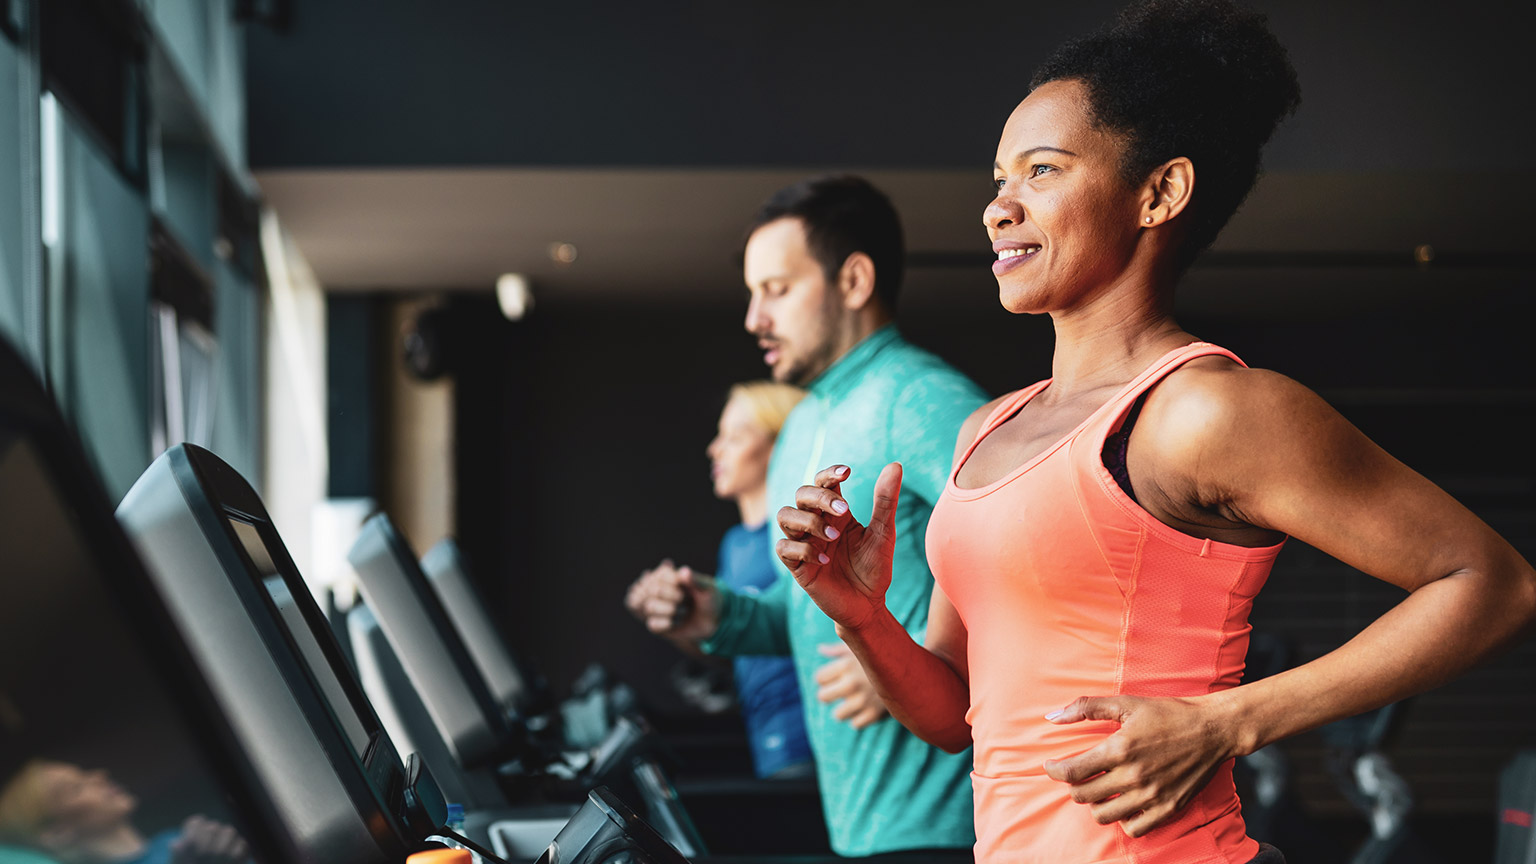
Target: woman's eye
999	182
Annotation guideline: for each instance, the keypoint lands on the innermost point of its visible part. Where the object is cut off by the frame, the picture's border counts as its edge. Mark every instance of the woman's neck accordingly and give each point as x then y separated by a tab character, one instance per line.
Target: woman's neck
1111	338
753	506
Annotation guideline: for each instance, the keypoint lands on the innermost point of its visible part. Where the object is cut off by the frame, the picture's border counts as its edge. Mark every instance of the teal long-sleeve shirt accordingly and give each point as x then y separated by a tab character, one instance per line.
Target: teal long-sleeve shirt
883	789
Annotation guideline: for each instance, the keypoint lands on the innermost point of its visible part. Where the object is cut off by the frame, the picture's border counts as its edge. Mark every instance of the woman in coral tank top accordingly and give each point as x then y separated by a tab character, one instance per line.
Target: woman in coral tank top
1104	532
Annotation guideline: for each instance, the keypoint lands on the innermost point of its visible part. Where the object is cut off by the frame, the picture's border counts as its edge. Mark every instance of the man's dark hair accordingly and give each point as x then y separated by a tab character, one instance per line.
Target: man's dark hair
1203	79
843	214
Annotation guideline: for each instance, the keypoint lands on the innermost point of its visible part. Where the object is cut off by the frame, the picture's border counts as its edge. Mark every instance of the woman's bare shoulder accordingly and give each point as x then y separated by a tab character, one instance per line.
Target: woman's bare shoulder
1215	396
1218	423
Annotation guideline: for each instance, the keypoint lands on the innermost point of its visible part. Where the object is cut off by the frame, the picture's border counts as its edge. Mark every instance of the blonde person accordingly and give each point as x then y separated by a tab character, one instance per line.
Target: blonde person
738	468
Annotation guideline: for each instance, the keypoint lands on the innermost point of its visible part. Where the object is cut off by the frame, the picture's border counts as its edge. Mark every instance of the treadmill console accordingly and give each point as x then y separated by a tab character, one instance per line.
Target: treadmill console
606	831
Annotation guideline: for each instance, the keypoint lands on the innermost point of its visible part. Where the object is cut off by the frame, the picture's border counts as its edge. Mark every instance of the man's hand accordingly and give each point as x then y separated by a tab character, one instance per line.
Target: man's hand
675	602
843	681
845	567
204	841
1162	756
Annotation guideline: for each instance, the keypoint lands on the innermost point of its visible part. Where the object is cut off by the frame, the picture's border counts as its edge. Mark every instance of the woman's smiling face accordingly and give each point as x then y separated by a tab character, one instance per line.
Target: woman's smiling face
1064	222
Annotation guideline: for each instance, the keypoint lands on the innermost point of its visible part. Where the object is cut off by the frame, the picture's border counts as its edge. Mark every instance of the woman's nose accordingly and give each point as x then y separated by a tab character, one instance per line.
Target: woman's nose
1001	213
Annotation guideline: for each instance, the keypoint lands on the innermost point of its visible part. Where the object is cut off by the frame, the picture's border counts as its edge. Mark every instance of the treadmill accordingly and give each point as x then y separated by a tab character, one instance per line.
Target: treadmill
513	685
317	750
728	808
320	752
482	735
586	716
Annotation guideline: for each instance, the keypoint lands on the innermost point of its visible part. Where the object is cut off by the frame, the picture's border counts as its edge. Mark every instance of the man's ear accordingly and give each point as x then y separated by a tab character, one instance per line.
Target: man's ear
856	281
1168	192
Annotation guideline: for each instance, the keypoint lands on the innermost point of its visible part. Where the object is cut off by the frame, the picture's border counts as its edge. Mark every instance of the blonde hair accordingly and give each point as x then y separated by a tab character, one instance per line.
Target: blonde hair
770	402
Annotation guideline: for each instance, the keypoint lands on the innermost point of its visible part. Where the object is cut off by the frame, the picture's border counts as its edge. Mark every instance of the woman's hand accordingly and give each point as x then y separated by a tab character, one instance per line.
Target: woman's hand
845	567
1162	756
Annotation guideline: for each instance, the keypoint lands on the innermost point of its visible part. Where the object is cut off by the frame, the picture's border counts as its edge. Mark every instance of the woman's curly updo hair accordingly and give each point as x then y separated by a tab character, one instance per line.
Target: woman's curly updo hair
1203	79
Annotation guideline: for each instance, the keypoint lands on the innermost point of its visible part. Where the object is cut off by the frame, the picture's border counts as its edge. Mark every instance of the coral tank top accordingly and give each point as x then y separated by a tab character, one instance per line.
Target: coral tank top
1067	588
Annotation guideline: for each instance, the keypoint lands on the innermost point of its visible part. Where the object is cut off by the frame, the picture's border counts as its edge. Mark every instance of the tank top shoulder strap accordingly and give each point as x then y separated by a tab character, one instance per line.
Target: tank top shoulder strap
1114	413
1007	407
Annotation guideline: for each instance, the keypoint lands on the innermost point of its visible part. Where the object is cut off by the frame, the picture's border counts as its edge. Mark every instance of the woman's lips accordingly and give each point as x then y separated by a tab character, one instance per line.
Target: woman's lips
1013	257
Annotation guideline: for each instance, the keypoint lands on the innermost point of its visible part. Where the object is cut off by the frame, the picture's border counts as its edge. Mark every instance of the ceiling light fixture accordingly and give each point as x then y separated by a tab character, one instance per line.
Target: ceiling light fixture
514	295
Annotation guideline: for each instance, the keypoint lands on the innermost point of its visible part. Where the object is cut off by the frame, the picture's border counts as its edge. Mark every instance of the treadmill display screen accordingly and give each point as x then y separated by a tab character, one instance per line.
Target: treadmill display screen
95	735
299	630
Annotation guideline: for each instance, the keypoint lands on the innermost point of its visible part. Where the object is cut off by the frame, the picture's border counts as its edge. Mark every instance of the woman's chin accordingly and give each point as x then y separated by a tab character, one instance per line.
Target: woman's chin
1020	302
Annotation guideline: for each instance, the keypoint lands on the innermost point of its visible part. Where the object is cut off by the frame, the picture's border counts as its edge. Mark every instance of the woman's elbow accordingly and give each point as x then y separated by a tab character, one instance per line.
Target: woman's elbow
1525	595
1512	586
1508	601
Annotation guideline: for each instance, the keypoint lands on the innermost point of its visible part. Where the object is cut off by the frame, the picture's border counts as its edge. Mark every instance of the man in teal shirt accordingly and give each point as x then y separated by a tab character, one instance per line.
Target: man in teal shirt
823	264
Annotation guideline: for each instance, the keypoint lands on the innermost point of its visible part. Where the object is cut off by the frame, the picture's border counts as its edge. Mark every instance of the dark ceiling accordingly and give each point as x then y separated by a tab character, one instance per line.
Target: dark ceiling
420	146
1388	86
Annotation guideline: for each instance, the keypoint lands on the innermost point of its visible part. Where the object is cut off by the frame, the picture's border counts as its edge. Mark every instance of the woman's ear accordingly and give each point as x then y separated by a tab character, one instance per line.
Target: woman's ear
1168	191
856	281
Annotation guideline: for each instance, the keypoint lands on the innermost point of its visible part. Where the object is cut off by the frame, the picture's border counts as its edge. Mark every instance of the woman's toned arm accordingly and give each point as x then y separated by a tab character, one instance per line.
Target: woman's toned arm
925	687
1235	447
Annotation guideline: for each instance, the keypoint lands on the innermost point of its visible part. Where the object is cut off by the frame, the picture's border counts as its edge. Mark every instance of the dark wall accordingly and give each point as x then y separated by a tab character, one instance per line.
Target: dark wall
1387	86
580	463
351	395
581	436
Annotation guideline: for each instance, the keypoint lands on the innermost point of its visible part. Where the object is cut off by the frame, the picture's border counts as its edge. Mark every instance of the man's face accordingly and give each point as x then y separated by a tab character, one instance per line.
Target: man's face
793	312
